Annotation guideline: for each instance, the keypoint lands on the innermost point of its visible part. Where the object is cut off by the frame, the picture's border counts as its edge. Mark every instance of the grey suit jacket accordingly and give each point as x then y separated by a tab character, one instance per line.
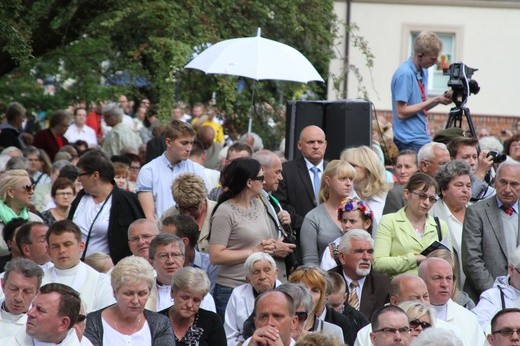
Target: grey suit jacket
484	251
394	199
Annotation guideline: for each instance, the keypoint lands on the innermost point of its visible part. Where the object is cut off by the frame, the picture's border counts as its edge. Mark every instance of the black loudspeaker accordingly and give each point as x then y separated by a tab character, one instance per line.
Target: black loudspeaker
299	115
346	123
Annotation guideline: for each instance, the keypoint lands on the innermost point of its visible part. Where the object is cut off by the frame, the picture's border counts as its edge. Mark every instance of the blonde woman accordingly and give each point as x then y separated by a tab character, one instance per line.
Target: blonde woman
321	225
370	182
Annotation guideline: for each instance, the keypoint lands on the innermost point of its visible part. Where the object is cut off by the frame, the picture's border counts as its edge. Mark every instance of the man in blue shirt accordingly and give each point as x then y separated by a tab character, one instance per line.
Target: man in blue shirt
410	102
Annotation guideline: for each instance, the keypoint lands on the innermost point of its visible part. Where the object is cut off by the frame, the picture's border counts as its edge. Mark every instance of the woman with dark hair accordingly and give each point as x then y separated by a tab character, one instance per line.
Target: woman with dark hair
403	236
150	118
103	211
240	226
63	191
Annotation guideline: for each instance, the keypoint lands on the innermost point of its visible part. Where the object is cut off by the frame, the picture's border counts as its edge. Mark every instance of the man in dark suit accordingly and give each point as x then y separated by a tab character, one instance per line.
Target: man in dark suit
367	291
490	232
297	192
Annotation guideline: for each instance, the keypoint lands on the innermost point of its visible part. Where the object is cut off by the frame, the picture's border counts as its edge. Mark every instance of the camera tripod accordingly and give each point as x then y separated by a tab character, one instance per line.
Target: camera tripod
455	119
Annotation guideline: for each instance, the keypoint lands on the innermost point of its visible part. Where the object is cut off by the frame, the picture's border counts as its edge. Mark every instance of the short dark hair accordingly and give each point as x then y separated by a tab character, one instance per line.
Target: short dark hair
96	161
186	227
14	110
374	320
238	147
70	302
64	226
420	179
23	236
197	148
58	117
164	239
70	172
455	144
10	227
62	183
26	267
500	313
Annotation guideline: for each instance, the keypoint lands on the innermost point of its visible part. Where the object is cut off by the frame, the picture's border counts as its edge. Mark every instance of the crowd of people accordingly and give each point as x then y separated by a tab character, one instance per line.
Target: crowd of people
117	229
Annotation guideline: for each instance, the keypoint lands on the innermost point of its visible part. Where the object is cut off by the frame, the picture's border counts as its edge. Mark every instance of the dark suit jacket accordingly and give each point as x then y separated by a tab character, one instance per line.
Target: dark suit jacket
484	249
374	294
295	191
44	139
394	199
125	210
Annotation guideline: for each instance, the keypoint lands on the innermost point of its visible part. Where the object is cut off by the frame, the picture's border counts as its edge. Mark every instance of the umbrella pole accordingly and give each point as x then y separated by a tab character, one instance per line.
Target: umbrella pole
250	125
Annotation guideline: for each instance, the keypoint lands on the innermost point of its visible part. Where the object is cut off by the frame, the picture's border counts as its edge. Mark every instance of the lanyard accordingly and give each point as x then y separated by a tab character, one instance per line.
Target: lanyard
423	95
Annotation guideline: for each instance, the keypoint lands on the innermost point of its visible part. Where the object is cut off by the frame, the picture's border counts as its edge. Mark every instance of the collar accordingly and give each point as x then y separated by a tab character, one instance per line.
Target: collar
514	206
348	280
167	163
310	165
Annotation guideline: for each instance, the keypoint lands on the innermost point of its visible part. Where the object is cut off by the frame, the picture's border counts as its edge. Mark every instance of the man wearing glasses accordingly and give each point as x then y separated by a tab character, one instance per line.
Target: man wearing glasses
390	327
140	233
505	328
166	254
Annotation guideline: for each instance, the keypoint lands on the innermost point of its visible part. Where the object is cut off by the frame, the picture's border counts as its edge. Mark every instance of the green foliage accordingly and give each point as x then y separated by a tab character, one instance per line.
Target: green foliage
84	43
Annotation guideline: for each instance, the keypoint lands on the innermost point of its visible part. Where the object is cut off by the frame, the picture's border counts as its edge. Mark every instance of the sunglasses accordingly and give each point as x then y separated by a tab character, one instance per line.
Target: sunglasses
416	323
259	178
28	188
302	315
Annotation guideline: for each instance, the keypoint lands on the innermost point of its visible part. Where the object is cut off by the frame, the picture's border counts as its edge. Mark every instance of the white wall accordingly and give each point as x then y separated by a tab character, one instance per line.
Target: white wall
490	41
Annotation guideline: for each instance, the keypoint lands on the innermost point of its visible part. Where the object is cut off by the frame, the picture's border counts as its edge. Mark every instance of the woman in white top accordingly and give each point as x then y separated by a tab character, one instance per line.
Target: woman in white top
127	321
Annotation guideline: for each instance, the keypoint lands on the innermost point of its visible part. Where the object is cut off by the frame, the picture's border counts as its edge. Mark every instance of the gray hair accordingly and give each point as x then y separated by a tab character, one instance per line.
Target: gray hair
358	234
265	157
437	337
130	270
139	222
491	143
112	109
12	151
191	279
165	239
299	293
451	170
258	144
426	152
59	164
255	257
26	267
18	162
508	163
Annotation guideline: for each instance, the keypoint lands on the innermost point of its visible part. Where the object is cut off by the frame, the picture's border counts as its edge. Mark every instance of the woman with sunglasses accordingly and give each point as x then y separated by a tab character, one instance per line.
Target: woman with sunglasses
353	214
420	316
321	225
402	236
240	226
16	191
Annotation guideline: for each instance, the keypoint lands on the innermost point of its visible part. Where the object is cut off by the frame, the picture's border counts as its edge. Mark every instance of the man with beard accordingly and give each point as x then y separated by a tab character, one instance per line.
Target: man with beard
367	291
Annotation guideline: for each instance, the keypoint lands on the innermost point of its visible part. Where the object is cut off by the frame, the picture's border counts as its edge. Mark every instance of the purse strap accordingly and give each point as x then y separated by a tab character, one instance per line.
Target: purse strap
92	225
439	233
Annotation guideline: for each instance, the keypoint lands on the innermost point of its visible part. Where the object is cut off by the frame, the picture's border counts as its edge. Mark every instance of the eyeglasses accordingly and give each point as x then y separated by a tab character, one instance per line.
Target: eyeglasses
392	331
82	174
134	168
27	188
423	197
64	194
163	257
506	331
184	210
416	323
144	237
81	318
518	271
302	315
259	178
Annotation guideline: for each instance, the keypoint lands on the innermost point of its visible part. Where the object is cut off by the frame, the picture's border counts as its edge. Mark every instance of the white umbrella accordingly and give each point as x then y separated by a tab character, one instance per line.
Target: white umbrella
257	58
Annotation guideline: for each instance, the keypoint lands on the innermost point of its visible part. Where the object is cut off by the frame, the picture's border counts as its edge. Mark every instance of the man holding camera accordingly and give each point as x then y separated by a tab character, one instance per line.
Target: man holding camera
410	102
464	148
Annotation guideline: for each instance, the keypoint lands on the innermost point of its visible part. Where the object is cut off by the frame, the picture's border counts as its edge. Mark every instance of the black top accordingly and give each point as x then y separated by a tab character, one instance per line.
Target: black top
212	329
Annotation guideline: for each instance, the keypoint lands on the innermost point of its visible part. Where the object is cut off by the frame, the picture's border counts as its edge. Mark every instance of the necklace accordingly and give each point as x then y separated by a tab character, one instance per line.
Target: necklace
132	333
193	333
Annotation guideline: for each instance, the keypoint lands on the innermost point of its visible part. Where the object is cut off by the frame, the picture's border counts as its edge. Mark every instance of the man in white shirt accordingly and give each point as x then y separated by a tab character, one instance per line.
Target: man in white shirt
167	255
438	276
390	327
65	248
21	281
78	130
274	319
51	319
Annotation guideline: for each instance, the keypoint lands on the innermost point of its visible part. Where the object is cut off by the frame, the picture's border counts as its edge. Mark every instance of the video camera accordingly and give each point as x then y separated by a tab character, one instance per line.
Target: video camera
460	82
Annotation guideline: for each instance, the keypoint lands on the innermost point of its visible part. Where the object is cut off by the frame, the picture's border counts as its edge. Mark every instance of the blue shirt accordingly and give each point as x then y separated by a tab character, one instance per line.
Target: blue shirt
405	88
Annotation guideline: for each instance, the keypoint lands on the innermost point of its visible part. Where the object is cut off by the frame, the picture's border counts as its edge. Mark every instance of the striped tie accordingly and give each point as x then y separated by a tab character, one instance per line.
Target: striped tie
353	299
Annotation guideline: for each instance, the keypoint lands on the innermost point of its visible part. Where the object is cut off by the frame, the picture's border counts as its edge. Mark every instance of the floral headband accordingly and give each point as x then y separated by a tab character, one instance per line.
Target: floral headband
355	204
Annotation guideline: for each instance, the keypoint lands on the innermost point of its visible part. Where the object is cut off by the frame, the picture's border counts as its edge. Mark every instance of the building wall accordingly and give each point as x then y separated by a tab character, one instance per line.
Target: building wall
488	39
